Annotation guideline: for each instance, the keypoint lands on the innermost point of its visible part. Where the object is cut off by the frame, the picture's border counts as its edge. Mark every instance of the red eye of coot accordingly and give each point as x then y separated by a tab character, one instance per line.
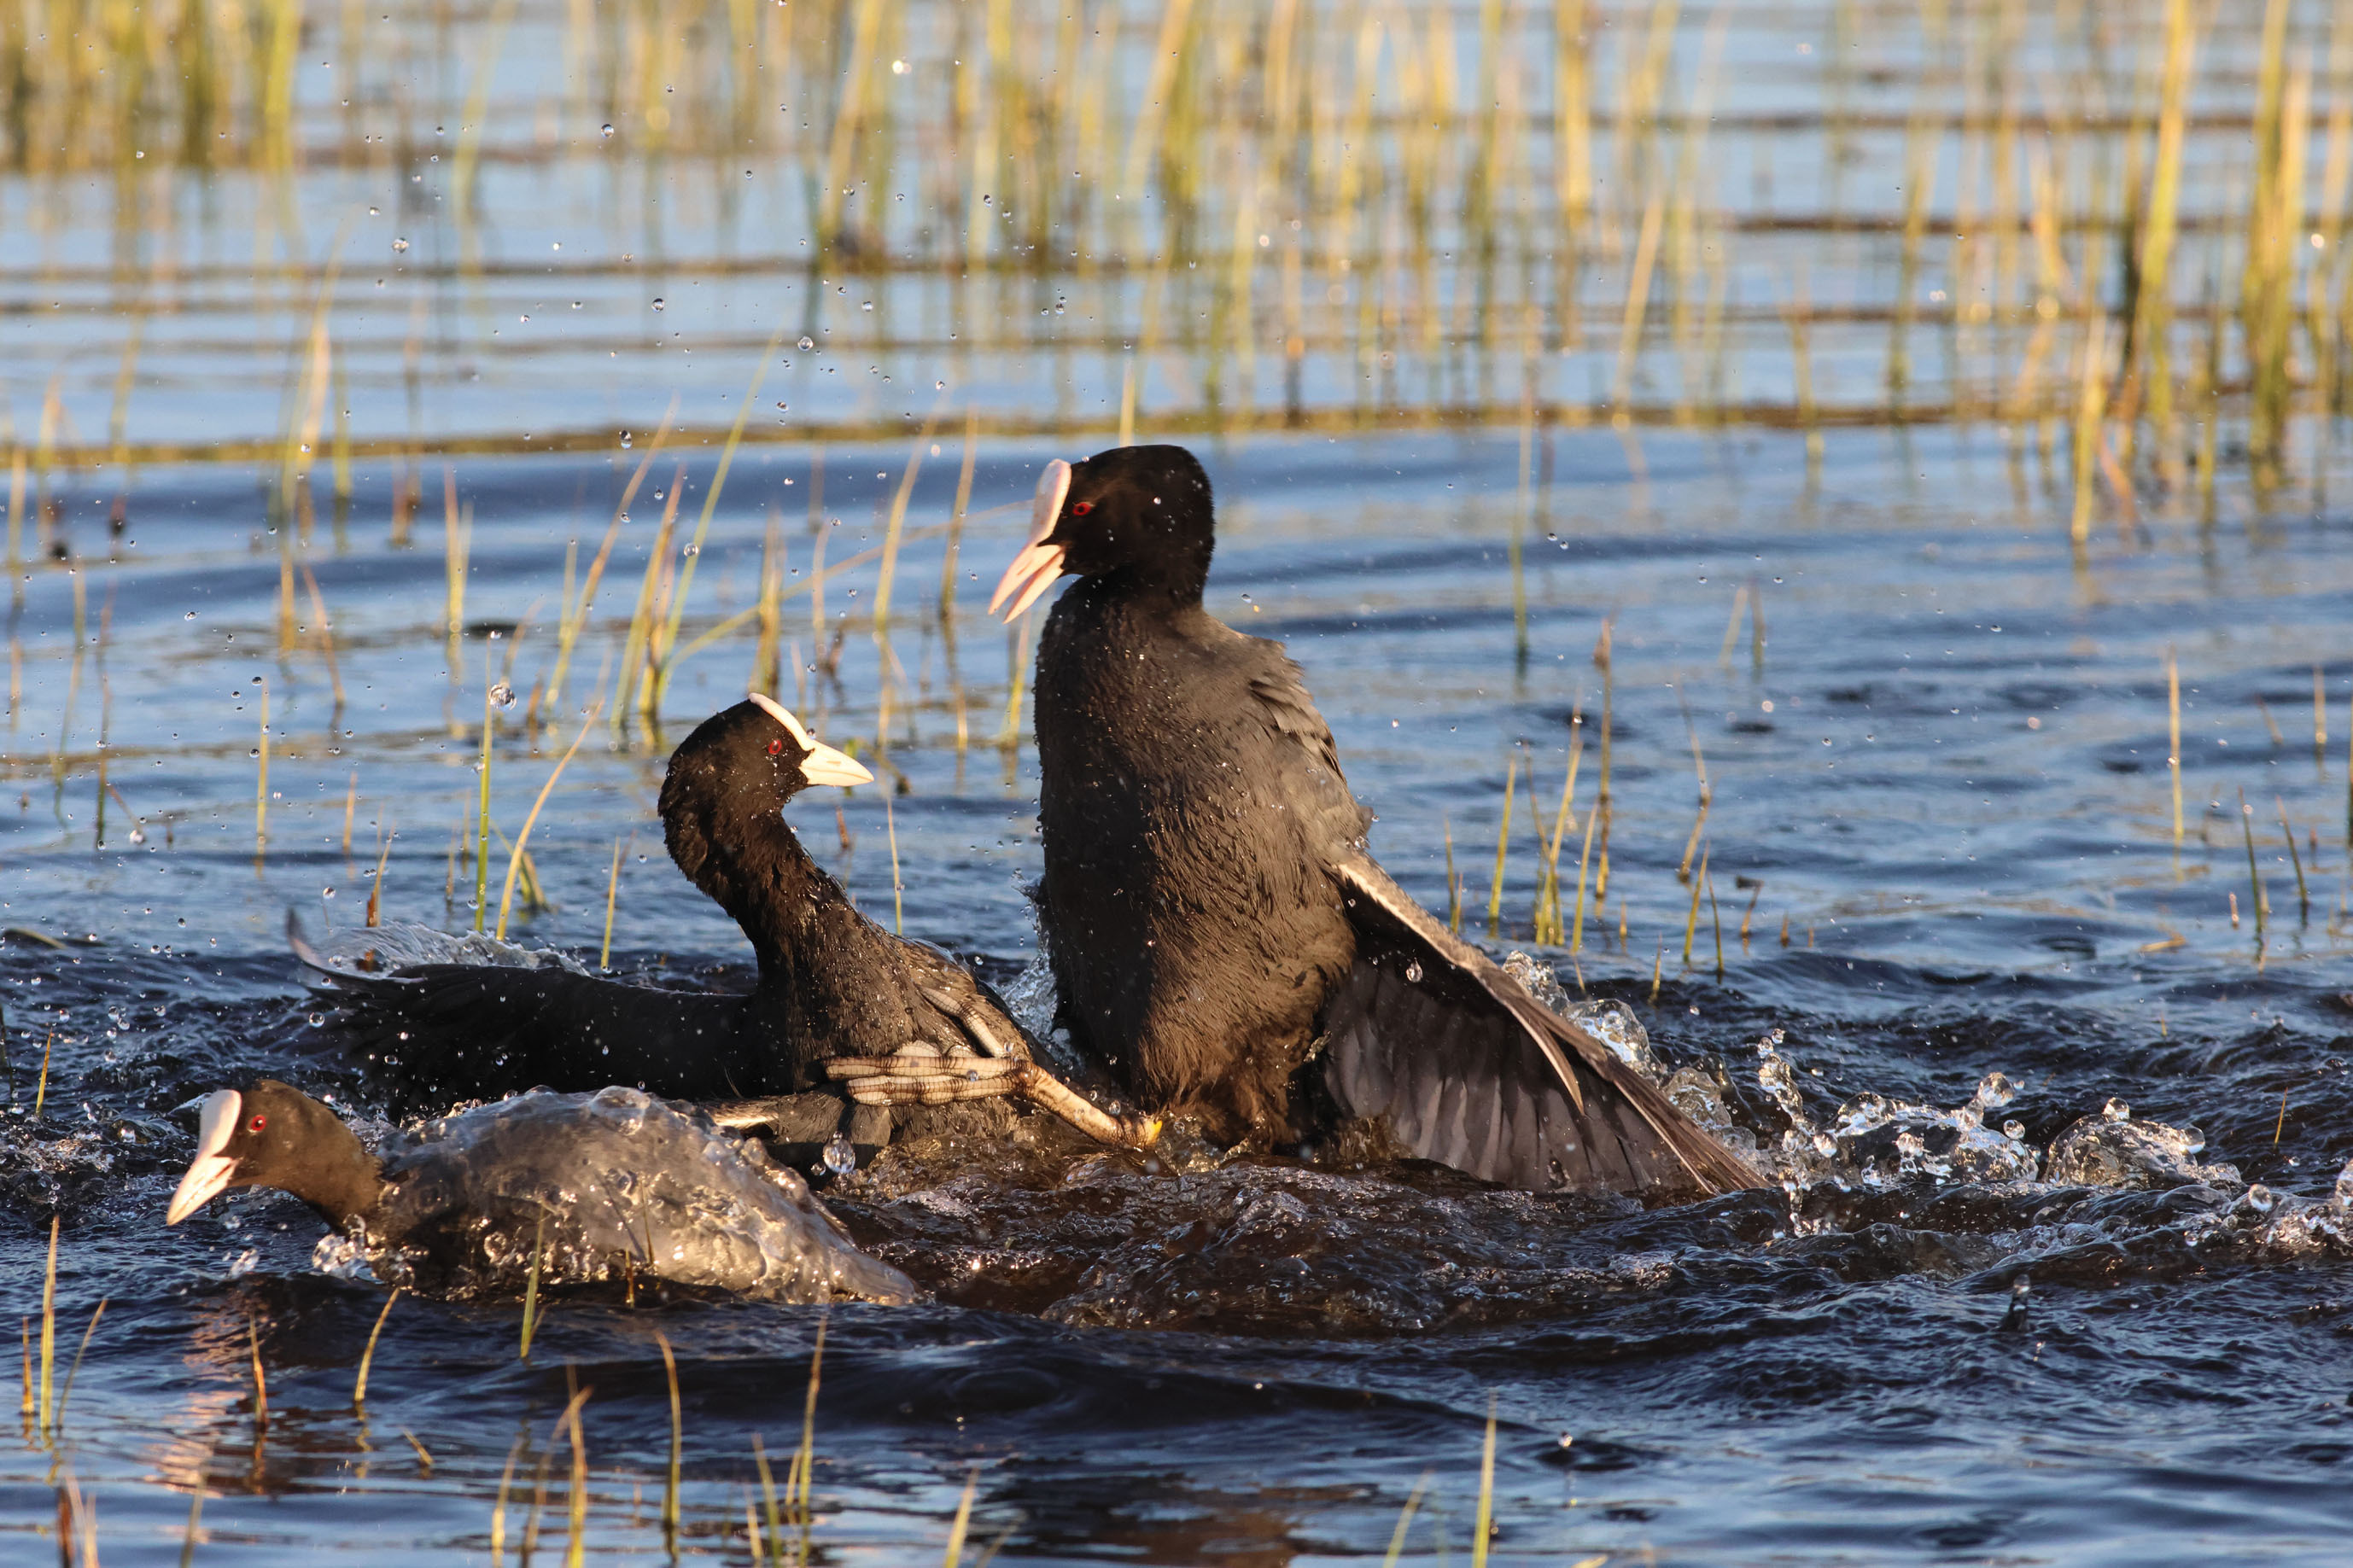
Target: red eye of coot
776	748
256	1124
1081	508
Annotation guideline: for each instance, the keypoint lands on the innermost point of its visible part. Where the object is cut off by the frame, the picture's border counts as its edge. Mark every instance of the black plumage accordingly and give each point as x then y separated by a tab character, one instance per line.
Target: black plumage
1212	910
834	990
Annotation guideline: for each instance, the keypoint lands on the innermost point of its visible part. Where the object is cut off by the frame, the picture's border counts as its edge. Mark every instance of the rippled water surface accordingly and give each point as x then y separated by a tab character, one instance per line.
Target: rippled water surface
1886	746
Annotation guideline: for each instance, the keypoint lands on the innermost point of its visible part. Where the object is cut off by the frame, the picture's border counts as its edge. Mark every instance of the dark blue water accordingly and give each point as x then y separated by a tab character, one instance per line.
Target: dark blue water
1946	780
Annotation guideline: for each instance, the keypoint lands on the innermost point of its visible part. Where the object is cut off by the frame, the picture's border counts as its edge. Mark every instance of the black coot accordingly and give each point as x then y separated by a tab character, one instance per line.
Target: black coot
836	995
610	1186
1210	909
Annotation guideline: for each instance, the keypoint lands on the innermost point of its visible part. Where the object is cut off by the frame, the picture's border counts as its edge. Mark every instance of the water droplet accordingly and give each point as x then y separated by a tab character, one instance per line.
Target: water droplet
400	245
840	1158
326	892
607	131
2117	1110
317	1019
503	695
807	344
1413	972
657	303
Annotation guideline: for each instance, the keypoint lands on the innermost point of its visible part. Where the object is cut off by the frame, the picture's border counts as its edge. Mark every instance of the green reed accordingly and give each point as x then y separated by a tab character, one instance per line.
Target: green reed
1392	139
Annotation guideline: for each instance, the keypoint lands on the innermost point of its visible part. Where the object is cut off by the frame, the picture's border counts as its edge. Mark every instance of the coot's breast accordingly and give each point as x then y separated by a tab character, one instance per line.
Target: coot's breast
602	1185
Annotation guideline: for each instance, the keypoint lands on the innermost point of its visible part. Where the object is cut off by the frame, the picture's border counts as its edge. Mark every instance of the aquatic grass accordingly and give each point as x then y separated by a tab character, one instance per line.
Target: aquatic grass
2270	725
482	786
188	1534
48	1329
572	613
956	1531
498	1509
890	829
768	1499
710	505
41	1098
799	1477
612	895
65	1394
1716	915
457	546
677	1449
2303	898
375	883
1453	882
262	782
2173	738
1503	846
575	1536
2256	900
767	670
1548	927
260	1383
515	857
1691	922
1483	1521
531	1288
640	649
326	634
367	1356
2319	723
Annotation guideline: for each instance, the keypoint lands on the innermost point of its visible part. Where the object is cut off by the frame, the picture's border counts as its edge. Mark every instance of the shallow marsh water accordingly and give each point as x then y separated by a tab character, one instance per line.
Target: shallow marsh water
1938	766
1261	1362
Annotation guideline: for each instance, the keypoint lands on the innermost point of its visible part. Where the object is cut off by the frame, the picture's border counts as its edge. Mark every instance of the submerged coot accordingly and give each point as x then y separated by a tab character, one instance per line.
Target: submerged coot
609	1186
832	983
1211	911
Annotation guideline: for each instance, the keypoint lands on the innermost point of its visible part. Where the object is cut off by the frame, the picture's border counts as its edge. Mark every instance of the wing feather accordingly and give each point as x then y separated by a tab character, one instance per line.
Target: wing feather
1475	1073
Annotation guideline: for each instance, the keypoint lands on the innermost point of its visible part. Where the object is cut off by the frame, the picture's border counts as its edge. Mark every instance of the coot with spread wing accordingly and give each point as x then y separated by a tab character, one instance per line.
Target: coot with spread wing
1212	910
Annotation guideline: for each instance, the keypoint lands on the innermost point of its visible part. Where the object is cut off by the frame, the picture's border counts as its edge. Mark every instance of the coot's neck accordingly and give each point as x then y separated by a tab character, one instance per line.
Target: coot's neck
761	876
1168	577
336	1175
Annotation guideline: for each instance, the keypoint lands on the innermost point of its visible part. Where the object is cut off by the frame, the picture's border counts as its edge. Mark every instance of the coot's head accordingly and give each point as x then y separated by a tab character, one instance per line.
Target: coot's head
273	1135
727	785
755	755
1143	512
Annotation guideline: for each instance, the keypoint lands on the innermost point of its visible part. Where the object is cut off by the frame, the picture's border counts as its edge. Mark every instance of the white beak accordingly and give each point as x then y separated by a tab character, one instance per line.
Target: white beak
211	1171
823	765
1034	570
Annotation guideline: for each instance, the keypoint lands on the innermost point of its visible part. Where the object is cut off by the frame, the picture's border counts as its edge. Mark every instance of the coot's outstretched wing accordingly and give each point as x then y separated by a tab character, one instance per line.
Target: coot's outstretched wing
1473	1072
462	1030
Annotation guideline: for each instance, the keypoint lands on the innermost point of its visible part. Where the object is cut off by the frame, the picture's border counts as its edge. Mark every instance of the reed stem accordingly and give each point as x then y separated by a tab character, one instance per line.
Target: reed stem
262	782
2255	877
49	1325
367	1356
677	1449
515	856
1503	844
2173	738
